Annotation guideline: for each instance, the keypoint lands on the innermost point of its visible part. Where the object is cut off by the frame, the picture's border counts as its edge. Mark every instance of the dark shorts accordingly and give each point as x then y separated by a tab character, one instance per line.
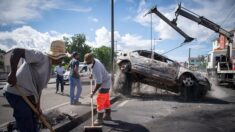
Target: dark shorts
26	119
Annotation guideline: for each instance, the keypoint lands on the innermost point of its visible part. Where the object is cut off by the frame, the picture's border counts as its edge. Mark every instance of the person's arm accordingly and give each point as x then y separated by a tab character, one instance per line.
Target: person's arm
97	86
17	53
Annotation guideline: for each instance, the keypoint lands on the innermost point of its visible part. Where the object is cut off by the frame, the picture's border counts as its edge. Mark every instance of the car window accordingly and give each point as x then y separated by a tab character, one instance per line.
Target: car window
145	54
170	62
83	69
159	58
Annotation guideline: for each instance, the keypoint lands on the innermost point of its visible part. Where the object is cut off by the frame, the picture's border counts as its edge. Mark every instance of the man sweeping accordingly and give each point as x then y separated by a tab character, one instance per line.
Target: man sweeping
31	77
103	83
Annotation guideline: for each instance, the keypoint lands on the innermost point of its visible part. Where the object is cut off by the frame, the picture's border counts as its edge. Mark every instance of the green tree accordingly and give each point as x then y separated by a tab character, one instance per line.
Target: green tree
77	43
104	55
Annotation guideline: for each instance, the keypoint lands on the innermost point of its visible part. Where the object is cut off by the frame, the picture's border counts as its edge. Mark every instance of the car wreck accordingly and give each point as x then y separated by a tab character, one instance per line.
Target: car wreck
156	70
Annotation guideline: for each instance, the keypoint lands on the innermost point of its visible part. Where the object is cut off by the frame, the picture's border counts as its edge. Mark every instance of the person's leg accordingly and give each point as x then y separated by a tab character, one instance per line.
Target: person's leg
26	120
72	86
100	101
107	115
62	84
57	83
79	90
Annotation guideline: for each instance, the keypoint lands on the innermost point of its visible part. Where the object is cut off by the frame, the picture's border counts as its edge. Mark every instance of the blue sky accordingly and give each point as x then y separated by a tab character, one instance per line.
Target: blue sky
35	23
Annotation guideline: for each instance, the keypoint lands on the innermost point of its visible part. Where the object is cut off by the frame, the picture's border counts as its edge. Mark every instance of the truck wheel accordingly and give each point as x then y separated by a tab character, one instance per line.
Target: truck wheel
189	88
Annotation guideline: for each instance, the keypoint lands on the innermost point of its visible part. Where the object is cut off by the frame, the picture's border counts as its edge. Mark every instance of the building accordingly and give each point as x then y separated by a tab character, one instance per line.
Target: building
219	51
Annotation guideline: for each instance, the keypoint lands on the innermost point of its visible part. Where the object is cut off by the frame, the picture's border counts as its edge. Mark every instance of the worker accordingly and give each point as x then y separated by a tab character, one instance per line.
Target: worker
31	77
59	70
103	83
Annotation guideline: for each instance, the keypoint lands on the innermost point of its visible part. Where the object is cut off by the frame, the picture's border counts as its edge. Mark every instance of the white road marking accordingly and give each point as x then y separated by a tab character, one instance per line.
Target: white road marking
123	103
54	107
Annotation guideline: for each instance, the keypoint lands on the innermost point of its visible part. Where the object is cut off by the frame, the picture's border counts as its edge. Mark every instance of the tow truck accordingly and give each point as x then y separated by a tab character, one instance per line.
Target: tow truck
225	65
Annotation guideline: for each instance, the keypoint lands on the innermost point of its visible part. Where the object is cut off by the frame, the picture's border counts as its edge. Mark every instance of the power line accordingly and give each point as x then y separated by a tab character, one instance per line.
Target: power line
182	44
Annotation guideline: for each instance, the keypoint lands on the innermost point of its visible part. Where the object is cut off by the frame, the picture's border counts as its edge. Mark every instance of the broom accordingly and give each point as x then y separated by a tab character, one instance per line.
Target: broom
41	117
92	128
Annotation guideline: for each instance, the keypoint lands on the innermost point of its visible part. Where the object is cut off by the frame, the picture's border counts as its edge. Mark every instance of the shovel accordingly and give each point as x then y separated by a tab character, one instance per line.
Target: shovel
41	117
92	128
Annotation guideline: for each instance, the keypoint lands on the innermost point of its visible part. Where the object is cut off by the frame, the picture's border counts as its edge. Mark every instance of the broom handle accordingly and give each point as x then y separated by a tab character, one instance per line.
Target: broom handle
92	112
41	117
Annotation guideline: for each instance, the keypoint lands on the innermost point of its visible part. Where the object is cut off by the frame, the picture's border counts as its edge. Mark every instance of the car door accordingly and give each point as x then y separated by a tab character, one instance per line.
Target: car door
140	61
172	69
158	65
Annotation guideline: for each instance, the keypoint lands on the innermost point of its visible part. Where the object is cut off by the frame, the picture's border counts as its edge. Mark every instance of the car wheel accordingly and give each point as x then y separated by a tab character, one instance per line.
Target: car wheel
189	88
123	83
125	66
204	89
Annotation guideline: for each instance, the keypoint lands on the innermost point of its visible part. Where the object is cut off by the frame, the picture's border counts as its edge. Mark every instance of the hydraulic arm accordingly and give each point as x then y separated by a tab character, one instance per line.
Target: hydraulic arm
203	21
171	23
208	24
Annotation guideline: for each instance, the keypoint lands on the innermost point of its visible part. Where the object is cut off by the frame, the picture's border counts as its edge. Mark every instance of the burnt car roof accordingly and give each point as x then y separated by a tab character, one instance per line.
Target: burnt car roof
147	51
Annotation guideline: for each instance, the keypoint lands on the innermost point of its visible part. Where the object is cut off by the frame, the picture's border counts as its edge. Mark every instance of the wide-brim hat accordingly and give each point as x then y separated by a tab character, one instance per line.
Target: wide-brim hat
88	57
58	50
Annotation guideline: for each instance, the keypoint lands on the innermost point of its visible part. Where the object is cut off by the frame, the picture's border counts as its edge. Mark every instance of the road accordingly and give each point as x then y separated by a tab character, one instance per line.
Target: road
50	100
166	113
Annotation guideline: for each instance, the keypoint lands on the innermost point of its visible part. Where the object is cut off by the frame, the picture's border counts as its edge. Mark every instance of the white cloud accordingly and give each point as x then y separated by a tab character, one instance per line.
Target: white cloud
215	10
93	19
27	37
17	12
125	42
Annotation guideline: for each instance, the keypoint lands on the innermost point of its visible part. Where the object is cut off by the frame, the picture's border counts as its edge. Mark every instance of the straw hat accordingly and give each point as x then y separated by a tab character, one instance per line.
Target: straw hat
57	50
88	58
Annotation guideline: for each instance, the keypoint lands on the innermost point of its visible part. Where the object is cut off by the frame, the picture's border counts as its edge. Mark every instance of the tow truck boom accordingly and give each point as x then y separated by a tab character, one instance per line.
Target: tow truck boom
171	23
203	21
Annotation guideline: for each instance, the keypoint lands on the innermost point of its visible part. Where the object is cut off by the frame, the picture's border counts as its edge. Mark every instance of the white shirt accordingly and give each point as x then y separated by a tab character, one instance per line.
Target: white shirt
59	70
101	75
33	75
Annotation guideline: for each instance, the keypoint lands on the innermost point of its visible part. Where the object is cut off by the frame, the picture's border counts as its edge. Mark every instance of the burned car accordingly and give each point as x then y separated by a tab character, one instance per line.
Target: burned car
159	71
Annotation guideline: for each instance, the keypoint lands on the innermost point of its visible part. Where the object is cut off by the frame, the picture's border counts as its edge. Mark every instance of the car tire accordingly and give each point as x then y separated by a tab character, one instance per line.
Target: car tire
189	89
125	66
123	83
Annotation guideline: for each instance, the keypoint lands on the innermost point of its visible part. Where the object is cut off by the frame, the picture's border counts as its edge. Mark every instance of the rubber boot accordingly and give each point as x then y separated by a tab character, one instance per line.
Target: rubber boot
99	120
107	115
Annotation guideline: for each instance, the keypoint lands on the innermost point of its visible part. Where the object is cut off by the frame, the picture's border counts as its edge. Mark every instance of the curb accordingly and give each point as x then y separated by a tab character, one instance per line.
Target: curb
69	125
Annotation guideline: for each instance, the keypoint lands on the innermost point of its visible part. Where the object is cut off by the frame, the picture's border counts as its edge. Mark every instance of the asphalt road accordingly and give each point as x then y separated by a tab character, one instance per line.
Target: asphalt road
166	113
50	100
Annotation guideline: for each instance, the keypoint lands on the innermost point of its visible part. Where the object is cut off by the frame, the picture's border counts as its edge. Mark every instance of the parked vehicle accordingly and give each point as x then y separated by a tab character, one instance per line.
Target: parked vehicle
83	71
156	70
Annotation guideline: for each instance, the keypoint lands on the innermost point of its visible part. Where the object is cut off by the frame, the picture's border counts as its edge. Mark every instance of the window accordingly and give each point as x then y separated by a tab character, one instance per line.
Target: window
145	54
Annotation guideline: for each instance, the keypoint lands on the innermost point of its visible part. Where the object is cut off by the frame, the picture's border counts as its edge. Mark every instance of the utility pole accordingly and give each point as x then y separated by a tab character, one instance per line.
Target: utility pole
112	39
151	34
189	53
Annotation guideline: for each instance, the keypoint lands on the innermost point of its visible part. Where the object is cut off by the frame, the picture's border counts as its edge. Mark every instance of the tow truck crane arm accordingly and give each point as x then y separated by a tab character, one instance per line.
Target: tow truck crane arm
171	23
208	24
203	21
